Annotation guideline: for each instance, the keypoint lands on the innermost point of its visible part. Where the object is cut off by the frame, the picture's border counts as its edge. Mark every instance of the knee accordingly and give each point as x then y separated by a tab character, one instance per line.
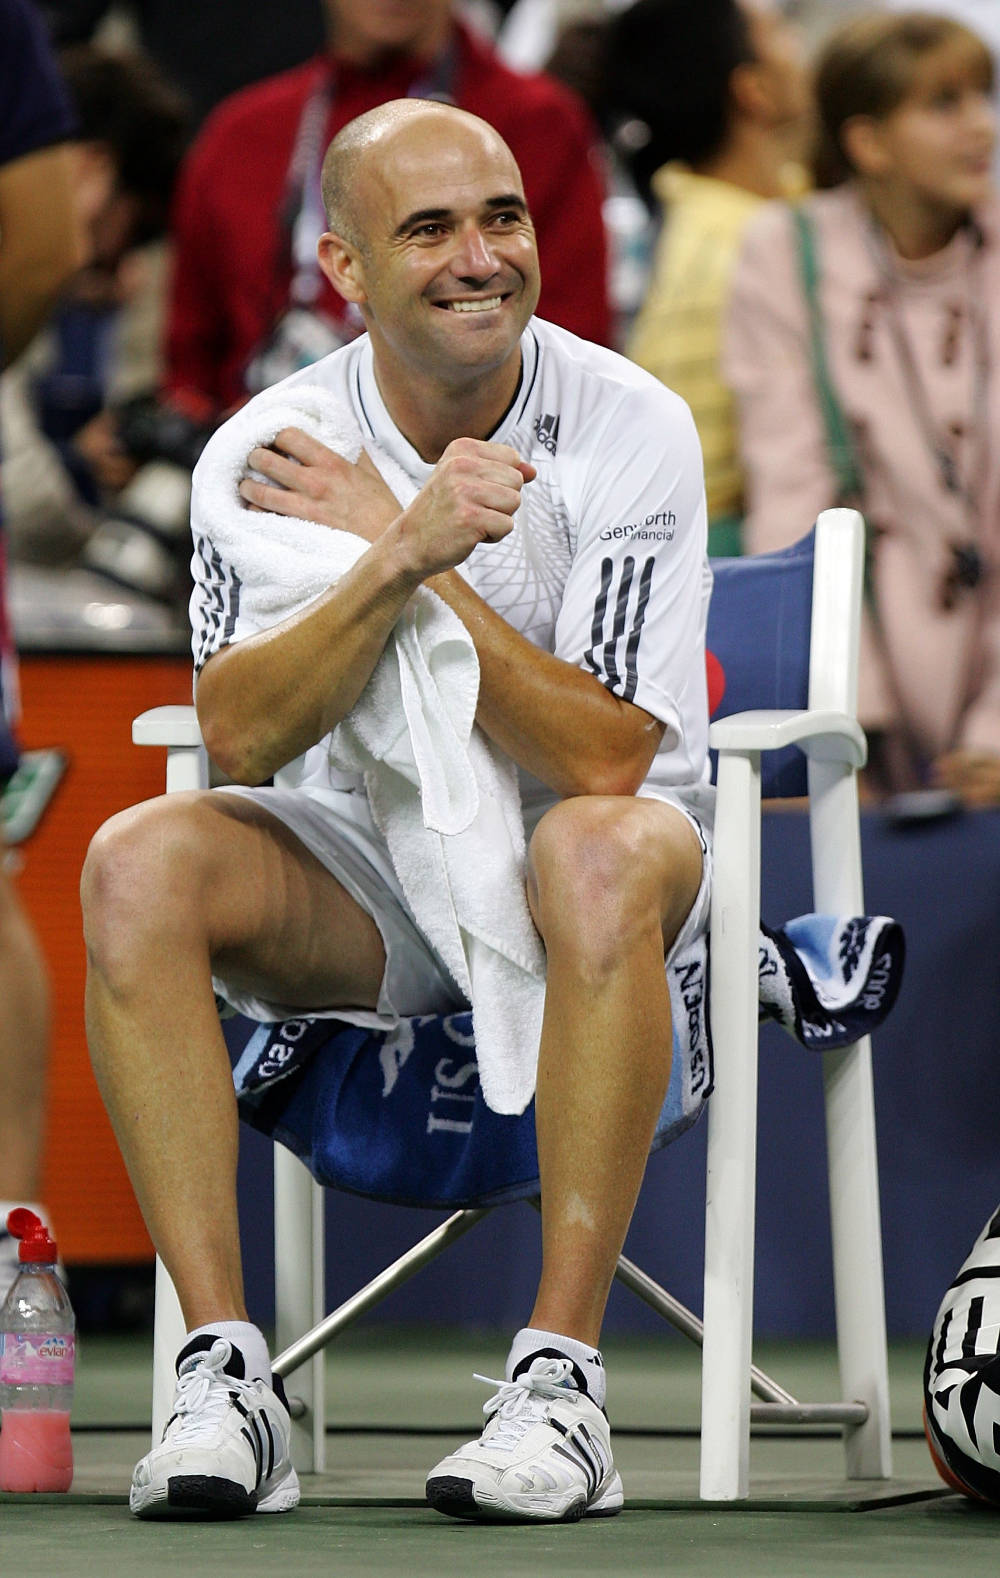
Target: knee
595	873
140	875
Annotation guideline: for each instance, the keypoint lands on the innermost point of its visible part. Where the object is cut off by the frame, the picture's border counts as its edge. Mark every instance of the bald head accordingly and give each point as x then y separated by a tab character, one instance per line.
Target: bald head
365	145
431	241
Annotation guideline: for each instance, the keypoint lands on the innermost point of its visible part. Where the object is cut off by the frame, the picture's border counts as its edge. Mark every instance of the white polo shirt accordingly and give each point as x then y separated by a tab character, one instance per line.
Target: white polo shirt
606	564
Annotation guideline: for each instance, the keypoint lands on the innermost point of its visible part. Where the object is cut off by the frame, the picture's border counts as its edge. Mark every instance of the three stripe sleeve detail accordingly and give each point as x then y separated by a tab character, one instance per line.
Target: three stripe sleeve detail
616	627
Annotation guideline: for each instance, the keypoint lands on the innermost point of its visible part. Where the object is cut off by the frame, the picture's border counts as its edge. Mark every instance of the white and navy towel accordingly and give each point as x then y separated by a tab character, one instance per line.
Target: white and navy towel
827	980
400	1115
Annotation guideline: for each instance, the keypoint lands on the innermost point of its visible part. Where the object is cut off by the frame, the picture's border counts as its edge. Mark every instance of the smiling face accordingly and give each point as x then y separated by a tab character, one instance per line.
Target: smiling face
442	258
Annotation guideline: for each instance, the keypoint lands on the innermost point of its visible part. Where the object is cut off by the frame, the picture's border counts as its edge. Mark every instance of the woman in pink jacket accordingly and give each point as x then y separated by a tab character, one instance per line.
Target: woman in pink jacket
863	346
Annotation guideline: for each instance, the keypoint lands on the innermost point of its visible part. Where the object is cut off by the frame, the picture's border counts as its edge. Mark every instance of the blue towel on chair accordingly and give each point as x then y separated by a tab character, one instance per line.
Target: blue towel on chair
830	980
400	1116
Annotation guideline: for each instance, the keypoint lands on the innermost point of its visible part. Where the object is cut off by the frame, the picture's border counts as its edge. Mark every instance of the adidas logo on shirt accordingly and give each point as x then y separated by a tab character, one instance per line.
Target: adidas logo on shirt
547	432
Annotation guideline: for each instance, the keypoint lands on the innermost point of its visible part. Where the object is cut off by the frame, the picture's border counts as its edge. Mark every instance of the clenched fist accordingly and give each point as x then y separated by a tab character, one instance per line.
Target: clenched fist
470	497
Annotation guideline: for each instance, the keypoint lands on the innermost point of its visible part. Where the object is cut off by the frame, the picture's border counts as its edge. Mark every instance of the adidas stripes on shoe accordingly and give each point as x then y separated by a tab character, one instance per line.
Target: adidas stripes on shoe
544	1455
226	1449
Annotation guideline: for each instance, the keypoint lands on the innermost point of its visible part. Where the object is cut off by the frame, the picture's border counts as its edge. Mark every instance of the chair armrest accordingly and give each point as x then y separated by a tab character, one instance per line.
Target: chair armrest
177	729
167	726
826	736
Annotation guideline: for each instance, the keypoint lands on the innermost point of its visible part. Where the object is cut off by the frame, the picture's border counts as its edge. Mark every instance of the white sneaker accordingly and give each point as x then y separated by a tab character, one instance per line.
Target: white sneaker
544	1455
226	1448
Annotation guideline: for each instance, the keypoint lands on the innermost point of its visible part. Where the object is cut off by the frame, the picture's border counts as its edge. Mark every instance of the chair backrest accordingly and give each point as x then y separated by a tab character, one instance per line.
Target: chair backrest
784	628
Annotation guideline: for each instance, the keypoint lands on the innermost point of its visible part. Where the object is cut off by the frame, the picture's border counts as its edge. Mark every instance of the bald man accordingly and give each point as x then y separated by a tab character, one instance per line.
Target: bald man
567	485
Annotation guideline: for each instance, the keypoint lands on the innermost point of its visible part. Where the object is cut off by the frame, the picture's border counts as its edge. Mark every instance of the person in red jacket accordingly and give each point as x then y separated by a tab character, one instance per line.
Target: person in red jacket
248	303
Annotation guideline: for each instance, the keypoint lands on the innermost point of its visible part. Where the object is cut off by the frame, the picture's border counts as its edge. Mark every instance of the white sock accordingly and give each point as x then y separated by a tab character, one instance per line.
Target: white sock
588	1366
249	1339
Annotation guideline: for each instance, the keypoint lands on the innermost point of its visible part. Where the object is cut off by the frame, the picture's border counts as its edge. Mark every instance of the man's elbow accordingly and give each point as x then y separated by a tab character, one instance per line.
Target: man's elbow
620	775
231	739
233	751
619	765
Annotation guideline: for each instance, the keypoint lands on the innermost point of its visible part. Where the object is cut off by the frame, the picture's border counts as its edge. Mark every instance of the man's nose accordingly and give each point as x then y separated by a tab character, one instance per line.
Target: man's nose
474	257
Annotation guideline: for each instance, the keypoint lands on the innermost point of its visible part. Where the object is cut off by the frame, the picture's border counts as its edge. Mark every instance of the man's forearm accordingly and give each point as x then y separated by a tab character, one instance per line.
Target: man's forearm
265	700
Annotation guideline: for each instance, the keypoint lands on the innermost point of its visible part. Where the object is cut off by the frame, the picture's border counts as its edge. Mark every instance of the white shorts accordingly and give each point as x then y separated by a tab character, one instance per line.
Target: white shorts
336	826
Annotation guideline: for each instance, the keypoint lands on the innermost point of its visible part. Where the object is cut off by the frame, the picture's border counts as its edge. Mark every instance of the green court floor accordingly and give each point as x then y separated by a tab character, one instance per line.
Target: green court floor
399	1400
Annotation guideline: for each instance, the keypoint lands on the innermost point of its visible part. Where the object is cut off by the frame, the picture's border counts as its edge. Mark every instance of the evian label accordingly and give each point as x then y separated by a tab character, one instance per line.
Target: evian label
34	1358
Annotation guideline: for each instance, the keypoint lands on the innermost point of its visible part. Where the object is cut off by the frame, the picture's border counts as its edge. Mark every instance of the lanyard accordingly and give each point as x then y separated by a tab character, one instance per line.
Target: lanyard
969	567
304	218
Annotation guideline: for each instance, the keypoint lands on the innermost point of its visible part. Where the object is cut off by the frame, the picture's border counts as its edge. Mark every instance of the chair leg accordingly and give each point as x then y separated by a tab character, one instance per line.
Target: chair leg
299	1298
857	1257
851	1147
732	1138
169	1332
187	768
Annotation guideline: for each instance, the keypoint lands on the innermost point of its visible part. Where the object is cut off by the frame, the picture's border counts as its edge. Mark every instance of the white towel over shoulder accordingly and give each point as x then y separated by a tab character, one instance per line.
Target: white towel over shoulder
444	799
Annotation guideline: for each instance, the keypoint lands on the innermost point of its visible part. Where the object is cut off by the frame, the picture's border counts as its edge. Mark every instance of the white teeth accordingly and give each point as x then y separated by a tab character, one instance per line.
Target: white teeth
485	305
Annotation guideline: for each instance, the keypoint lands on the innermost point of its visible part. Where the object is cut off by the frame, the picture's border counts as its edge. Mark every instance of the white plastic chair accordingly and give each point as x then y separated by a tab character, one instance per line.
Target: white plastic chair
827	731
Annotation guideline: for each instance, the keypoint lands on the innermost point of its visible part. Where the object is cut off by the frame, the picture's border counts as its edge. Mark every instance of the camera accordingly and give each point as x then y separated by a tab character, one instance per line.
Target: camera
144	543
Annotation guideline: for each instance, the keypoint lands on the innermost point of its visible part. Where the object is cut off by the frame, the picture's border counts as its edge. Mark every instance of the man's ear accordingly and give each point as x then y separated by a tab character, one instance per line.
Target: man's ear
342	265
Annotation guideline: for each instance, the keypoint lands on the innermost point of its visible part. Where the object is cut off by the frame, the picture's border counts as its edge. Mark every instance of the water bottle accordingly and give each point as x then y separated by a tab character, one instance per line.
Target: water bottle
37	1360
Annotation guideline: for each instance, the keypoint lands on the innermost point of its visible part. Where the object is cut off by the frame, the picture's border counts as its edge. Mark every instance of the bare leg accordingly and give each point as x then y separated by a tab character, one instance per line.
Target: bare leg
168	888
611	883
24	1045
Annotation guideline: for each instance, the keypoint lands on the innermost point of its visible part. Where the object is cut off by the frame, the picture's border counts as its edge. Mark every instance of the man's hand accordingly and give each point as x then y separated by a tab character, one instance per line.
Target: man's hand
973	775
470	497
312	482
